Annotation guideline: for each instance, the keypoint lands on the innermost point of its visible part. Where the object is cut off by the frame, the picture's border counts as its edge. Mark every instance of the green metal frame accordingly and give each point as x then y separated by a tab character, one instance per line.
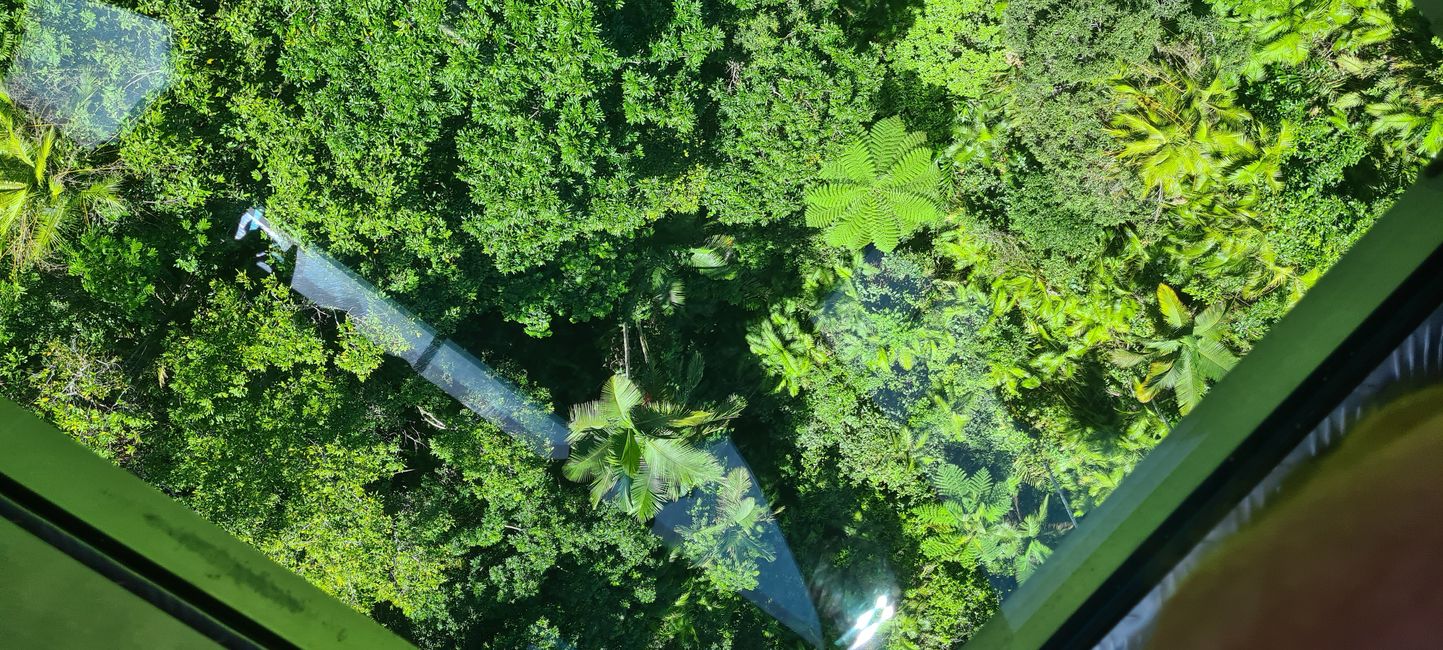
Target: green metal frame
117	525
44	589
1382	288
171	551
169	557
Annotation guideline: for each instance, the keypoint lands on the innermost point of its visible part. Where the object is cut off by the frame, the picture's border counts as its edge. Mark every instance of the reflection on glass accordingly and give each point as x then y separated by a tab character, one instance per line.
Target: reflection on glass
905	337
476	385
1416	362
702	500
88	67
867	625
333	286
728	530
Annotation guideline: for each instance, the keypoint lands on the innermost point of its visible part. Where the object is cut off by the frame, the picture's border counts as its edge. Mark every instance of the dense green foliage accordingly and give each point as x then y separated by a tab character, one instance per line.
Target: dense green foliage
963	262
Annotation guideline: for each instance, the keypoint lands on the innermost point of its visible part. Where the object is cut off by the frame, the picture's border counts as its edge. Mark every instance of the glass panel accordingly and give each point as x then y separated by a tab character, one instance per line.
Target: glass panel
712	324
87	67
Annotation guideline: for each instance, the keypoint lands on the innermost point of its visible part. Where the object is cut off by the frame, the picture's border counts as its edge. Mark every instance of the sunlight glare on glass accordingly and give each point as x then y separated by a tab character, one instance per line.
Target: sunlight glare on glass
868	623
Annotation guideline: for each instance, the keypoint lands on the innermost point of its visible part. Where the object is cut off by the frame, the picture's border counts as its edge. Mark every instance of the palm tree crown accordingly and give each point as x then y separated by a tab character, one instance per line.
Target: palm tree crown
643	452
1183	132
1185	358
41	191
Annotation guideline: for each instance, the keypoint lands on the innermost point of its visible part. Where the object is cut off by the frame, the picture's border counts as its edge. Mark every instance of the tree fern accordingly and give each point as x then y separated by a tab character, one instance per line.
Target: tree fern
881	190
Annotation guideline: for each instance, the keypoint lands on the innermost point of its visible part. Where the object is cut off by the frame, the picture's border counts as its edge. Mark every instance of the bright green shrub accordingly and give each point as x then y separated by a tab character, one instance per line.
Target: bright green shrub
958	45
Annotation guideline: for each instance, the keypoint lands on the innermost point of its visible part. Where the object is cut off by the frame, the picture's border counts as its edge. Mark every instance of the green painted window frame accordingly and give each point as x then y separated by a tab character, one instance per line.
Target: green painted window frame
1376	294
121	527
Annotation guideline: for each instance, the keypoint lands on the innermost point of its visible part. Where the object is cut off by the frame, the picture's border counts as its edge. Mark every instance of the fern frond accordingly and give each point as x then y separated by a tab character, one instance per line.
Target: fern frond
912	210
951	481
888	140
829	202
854	164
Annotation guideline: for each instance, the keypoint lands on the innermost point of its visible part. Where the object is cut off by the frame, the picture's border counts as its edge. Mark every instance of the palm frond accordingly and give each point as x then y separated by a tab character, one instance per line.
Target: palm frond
1214	358
680	466
618	396
584	418
1209	318
1172	308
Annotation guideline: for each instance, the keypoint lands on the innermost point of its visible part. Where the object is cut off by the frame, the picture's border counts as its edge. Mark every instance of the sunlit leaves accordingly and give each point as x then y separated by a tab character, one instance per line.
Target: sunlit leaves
1171	306
44	192
882	189
1180	131
956	44
1185	358
643	452
1414	117
786	351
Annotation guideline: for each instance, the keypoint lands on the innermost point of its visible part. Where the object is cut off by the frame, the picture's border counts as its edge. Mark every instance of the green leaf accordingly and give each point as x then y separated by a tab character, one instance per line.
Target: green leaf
1125	358
1189	384
1172	308
683	466
42	158
887	141
585	417
642	499
618	396
1209	319
1216	359
630	460
827	203
854	164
